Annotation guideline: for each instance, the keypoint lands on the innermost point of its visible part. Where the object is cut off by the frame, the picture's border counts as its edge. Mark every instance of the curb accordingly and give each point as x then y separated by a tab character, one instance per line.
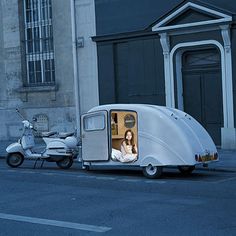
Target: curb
217	169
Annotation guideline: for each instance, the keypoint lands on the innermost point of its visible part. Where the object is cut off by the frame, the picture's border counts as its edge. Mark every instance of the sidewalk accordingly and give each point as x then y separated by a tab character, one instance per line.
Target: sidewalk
227	162
227	159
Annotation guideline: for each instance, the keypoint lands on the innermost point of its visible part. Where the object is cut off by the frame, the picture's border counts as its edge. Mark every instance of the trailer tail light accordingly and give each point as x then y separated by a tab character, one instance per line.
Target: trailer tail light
215	156
198	158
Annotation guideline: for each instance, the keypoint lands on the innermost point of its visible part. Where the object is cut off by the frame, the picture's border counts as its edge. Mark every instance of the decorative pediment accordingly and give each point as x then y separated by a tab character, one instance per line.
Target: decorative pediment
190	15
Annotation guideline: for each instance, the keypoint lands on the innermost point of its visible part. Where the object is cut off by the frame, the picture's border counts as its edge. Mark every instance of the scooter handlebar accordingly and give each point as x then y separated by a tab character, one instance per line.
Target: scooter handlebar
27	124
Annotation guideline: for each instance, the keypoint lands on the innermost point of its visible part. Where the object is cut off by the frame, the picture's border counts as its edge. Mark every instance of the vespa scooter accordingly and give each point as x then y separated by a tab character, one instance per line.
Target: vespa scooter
60	147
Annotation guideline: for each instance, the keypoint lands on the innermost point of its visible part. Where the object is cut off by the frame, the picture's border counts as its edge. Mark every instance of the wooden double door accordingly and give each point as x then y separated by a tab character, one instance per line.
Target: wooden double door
202	90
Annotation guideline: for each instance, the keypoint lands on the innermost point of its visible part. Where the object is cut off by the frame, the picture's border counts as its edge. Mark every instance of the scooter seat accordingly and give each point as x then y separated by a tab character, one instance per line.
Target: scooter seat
48	134
65	135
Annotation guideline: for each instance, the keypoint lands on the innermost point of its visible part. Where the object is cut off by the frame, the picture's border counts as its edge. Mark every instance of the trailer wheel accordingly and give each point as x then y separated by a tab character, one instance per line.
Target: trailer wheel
152	172
65	163
186	170
87	168
14	159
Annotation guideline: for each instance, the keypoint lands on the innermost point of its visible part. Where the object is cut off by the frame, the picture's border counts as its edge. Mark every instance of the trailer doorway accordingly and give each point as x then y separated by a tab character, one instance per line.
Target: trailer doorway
124	135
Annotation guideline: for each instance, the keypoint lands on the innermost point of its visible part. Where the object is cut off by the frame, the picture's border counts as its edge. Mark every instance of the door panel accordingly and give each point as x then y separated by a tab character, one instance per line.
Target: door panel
203	100
95	146
213	105
202	89
212	98
192	95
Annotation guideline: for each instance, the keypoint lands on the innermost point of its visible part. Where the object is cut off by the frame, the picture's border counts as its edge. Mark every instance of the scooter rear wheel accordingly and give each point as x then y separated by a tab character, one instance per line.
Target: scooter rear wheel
65	163
14	159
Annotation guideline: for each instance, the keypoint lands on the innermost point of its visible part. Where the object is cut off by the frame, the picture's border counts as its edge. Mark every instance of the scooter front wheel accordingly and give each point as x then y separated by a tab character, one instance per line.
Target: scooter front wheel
14	159
65	163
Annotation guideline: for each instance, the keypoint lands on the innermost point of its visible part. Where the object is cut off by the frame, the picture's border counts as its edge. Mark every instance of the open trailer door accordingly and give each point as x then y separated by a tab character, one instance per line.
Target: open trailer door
95	142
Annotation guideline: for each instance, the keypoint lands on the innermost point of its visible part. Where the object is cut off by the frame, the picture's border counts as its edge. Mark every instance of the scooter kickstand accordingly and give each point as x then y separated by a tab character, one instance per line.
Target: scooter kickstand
36	162
42	164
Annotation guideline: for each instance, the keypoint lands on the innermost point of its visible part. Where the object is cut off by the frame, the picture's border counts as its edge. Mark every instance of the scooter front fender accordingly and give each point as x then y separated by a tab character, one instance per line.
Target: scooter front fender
15	147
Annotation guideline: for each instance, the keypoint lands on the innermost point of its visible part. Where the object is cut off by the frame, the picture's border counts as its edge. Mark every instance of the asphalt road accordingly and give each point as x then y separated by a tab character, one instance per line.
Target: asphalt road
50	201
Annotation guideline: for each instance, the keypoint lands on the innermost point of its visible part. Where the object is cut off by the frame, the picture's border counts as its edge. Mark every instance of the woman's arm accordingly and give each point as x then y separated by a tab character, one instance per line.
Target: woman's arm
126	148
135	148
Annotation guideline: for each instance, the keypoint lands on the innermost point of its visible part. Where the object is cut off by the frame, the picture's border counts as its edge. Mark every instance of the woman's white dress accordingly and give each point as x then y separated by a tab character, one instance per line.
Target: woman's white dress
122	155
127	156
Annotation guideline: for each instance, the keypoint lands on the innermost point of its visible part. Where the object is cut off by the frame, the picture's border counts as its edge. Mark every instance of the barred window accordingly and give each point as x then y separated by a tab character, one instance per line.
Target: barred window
39	42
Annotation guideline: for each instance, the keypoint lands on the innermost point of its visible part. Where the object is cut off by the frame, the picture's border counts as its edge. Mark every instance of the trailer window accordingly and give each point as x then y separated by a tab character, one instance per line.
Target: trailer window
95	122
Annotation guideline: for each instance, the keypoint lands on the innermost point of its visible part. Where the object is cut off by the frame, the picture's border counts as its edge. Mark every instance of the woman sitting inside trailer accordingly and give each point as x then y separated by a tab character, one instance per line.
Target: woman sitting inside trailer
129	152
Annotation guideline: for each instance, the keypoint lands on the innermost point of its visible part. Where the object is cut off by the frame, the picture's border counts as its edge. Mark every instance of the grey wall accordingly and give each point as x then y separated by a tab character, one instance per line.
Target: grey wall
215	35
56	102
63	53
116	16
10	65
2	89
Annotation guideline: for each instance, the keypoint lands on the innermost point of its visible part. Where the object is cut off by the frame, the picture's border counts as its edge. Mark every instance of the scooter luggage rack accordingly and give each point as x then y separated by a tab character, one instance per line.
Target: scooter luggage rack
64	135
49	134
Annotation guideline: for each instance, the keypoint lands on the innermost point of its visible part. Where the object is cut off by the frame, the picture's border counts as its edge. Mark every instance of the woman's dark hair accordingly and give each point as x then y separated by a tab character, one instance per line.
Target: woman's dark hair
131	141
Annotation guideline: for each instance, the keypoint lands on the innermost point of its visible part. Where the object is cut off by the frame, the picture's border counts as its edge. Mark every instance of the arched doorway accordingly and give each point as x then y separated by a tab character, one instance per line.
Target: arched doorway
202	89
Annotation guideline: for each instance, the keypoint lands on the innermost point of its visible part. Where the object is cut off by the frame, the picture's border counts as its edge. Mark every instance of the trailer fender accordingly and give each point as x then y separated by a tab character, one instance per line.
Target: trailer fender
150	160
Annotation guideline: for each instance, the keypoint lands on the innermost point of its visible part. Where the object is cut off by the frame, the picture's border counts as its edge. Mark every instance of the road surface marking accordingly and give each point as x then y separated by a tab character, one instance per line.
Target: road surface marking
155	181
105	178
27	172
11	171
47	173
63	224
129	180
225	180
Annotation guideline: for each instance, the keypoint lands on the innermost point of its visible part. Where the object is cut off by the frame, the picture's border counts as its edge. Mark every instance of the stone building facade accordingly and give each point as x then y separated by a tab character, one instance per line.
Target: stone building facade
53	38
178	53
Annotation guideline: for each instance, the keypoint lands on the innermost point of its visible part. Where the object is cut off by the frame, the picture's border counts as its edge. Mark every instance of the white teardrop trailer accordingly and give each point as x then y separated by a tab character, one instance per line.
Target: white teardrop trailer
164	137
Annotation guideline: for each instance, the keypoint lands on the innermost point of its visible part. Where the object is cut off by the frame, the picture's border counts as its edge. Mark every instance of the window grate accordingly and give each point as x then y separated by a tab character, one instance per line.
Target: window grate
39	42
